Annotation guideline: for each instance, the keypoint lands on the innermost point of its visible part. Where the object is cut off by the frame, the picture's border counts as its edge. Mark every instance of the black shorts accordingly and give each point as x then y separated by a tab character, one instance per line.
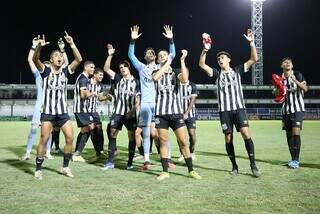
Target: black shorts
83	119
117	121
238	118
293	120
190	122
57	120
96	117
174	121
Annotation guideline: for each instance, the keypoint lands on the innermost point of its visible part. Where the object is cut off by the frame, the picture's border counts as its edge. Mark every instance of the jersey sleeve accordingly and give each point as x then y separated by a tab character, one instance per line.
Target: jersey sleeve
215	74
241	69
117	78
134	60
299	76
194	90
83	83
46	71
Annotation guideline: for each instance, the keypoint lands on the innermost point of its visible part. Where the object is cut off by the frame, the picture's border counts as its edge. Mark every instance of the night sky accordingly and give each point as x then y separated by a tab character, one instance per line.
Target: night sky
291	28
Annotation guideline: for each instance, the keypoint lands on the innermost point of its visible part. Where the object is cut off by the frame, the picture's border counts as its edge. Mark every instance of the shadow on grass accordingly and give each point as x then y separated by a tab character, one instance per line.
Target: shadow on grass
25	166
273	162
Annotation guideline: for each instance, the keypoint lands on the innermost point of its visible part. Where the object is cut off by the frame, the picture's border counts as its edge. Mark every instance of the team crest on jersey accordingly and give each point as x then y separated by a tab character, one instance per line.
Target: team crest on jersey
224	126
157	121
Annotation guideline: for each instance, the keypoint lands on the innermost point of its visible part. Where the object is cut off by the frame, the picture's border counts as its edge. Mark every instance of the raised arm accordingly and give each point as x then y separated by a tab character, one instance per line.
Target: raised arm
202	63
168	33
134	36
184	75
77	56
32	65
62	50
253	55
36	57
107	64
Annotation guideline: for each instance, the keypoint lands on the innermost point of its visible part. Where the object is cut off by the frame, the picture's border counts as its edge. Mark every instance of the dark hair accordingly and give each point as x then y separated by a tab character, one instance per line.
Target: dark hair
223	53
147	49
88	63
125	63
286	58
52	52
97	70
162	50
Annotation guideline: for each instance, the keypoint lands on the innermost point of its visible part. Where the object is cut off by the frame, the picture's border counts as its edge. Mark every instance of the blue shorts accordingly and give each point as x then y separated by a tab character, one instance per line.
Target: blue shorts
146	114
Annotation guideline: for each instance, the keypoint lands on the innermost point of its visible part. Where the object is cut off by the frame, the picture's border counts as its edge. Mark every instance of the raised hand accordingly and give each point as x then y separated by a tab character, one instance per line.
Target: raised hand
206	41
43	41
184	54
35	41
135	32
111	50
249	36
68	38
168	33
61	44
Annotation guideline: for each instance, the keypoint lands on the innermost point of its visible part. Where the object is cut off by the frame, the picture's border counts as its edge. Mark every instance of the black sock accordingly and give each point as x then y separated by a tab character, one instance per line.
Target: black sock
140	149
189	163
111	149
39	161
290	145
55	138
151	142
231	154
158	147
78	141
94	140
66	159
191	145
100	139
164	163
296	146
131	150
250	150
82	143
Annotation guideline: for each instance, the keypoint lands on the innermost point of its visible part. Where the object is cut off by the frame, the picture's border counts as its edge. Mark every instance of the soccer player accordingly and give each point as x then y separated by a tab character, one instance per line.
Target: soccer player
80	108
293	109
147	89
188	93
126	94
54	111
169	112
231	102
37	108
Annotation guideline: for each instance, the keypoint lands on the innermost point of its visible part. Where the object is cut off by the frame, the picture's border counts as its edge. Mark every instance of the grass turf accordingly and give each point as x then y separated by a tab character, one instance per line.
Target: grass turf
278	190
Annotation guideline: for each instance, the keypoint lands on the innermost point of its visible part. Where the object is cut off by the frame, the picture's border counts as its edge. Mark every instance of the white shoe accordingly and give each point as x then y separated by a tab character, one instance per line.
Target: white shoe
193	156
49	156
38	174
66	171
78	158
181	158
26	156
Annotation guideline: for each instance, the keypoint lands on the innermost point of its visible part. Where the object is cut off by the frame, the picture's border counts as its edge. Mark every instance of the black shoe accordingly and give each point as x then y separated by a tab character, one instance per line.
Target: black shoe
234	171
255	171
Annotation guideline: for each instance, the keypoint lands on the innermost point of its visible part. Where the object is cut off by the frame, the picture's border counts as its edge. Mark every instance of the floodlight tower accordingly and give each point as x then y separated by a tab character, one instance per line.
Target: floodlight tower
256	26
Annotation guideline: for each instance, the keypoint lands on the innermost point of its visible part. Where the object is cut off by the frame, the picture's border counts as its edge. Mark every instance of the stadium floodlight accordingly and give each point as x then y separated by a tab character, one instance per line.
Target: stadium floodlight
256	26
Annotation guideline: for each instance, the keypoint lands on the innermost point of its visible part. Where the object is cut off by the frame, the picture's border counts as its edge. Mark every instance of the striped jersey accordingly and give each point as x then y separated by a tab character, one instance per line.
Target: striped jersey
125	93
54	93
186	92
229	88
168	100
92	101
79	104
294	98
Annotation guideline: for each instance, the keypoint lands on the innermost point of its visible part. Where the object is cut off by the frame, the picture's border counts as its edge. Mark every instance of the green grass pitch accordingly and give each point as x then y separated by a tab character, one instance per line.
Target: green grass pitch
278	190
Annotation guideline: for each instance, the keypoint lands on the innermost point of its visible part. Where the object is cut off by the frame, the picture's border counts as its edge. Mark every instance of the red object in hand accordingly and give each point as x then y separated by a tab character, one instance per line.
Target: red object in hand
207	41
277	81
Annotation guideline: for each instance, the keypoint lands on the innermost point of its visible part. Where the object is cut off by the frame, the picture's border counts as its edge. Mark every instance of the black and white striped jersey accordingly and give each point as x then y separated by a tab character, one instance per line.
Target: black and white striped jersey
125	93
229	88
54	98
80	105
168	100
186	92
92	102
294	98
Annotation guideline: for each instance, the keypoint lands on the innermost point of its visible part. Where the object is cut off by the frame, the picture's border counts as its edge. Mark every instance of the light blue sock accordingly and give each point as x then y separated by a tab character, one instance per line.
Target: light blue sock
146	143
32	137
